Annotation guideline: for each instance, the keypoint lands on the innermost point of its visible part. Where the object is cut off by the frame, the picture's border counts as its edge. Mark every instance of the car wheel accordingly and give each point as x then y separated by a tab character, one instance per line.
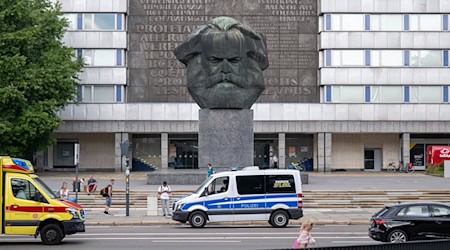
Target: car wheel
397	236
197	219
279	219
51	234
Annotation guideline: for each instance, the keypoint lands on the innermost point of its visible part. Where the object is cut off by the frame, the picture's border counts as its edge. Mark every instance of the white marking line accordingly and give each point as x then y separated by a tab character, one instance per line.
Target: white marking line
196	241
177	239
208	234
351	242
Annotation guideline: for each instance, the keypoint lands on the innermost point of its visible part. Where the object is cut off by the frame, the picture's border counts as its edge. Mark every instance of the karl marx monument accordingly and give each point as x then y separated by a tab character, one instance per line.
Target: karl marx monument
225	60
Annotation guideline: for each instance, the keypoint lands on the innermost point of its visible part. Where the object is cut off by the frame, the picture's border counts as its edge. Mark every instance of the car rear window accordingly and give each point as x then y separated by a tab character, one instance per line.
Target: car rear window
414	211
381	212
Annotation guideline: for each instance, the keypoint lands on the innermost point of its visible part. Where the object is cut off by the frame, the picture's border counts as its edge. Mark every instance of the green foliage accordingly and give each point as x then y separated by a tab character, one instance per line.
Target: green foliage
437	170
38	74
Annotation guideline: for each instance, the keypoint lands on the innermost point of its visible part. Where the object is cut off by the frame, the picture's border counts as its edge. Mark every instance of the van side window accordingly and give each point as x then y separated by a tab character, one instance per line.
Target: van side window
280	184
219	185
23	189
252	184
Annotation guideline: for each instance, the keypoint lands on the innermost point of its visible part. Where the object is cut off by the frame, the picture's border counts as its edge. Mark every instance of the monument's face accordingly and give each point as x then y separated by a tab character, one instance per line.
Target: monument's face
224	70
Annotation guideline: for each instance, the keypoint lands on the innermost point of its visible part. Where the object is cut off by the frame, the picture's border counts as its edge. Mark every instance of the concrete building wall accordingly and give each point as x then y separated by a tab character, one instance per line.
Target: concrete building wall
96	150
348	149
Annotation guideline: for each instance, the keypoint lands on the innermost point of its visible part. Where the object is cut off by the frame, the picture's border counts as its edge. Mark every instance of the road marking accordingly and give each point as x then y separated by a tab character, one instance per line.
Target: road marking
197	241
351	242
224	233
189	238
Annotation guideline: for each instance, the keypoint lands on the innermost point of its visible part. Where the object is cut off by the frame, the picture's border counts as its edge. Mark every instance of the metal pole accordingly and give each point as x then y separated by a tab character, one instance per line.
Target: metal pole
127	187
76	182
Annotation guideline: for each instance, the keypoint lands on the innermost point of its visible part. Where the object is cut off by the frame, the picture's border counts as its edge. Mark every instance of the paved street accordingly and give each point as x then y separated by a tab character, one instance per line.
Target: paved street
180	236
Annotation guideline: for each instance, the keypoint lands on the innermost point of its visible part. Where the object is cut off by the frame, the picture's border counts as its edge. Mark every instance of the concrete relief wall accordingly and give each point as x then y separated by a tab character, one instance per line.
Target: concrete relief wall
156	27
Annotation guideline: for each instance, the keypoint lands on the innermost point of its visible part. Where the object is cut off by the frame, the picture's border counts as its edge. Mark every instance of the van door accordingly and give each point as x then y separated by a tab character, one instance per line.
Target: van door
250	200
21	211
218	199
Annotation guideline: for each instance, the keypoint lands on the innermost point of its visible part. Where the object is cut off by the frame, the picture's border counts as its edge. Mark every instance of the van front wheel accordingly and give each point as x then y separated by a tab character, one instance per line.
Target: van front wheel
279	219
197	219
51	234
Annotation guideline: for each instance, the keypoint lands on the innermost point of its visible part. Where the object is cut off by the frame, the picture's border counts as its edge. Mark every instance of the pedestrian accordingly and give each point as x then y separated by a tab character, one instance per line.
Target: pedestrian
108	196
275	161
64	191
164	192
305	239
91	185
210	170
292	165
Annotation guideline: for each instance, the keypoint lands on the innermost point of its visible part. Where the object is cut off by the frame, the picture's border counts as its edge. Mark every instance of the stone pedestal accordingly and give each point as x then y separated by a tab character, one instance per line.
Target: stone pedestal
225	138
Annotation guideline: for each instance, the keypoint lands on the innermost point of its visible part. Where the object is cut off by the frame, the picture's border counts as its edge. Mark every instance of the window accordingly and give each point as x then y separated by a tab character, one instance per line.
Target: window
346	22
250	184
99	21
348	94
430	23
345	58
391	22
219	185
426	94
23	189
387	94
414	211
391	58
102	93
280	184
440	211
72	19
100	57
426	58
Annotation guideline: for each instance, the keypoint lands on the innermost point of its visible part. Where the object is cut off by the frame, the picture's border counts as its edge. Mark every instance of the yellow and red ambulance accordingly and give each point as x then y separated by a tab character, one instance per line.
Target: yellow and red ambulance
29	207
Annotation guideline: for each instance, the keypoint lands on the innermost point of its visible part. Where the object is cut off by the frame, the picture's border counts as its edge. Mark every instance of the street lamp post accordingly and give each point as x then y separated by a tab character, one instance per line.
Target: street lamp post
124	149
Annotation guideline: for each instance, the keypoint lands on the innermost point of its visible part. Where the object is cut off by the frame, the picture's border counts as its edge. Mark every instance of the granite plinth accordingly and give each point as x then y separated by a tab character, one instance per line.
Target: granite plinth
177	177
225	138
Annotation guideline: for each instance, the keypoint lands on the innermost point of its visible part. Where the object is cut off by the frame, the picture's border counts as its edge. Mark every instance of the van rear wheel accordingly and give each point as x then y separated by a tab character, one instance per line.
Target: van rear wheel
51	234
279	218
197	219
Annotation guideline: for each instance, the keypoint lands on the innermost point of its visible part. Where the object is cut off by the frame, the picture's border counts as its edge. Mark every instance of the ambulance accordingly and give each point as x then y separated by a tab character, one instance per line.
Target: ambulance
29	207
250	194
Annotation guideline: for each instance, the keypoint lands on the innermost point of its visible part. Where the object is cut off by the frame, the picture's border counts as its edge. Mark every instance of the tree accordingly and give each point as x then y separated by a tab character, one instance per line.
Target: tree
38	74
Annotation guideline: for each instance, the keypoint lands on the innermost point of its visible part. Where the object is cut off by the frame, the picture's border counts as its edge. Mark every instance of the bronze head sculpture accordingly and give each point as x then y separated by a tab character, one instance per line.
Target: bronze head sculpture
224	61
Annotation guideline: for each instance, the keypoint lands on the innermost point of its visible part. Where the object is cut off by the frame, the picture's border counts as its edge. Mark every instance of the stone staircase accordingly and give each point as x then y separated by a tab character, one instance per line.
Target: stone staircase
311	199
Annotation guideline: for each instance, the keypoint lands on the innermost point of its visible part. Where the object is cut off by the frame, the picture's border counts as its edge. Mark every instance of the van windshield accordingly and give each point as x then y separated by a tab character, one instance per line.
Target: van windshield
45	188
202	187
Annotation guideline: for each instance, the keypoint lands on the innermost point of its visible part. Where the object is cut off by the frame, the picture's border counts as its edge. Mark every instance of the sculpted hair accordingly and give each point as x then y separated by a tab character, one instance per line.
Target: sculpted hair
254	42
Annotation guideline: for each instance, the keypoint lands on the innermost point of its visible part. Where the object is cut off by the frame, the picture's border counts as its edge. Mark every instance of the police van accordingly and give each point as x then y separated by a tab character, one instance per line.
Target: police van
250	194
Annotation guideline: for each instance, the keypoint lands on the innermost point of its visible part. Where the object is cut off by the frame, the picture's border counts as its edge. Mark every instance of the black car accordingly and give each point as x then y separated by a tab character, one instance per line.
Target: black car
411	221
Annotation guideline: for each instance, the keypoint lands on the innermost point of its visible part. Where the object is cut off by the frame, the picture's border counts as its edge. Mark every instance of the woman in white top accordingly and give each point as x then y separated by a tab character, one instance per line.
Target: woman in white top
64	191
305	239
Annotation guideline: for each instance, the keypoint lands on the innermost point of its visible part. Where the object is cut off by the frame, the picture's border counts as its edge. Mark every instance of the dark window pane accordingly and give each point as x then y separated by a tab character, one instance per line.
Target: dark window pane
280	184
250	184
414	211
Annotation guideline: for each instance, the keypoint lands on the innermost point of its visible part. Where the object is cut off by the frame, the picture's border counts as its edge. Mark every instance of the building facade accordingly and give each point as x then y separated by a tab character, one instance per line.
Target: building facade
352	84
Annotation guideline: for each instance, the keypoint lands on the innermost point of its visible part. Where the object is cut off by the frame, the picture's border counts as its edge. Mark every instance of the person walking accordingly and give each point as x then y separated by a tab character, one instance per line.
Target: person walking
211	170
164	194
64	191
109	190
305	239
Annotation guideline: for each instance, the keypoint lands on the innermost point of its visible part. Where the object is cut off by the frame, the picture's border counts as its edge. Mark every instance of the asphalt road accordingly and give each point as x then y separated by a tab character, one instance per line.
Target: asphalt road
184	237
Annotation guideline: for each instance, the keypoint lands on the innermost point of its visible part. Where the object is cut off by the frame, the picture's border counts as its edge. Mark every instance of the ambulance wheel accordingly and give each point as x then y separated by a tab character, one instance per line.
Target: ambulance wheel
279	218
197	219
51	234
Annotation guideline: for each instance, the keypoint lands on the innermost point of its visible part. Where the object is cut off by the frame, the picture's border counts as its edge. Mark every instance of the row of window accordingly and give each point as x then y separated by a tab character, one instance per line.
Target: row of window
96	21
386	94
386	22
101	93
102	57
386	58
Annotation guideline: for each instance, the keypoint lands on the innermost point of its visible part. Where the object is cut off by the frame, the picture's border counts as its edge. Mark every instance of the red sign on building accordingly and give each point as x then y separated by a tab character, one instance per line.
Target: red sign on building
437	154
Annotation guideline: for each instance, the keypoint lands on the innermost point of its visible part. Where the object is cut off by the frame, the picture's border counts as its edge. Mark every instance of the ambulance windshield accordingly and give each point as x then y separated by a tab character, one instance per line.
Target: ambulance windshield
45	188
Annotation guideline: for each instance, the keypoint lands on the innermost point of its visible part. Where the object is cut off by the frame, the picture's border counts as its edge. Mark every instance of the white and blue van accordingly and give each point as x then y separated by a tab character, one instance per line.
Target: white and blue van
247	195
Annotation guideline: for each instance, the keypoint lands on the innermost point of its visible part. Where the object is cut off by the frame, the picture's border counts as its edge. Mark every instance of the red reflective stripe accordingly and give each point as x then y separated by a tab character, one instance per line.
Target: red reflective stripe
36	209
299	195
299	200
15	167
